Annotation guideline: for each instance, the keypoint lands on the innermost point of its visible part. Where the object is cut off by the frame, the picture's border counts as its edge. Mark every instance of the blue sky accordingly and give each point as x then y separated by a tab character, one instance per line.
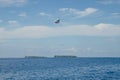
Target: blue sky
88	28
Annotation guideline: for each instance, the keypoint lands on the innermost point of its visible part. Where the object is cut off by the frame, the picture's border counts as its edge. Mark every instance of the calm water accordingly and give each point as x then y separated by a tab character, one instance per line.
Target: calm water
60	69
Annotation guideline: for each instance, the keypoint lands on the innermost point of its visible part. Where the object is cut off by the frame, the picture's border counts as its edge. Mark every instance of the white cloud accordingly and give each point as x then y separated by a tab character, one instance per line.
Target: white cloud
71	11
106	2
22	14
1	21
103	26
47	31
44	14
72	49
11	2
12	22
115	15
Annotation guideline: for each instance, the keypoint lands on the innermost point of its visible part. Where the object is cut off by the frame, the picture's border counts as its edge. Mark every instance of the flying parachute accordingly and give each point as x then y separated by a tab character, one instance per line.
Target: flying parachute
57	21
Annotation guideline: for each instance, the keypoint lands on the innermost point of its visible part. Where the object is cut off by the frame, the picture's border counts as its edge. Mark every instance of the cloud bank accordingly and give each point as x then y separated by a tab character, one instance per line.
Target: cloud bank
47	31
44	14
78	13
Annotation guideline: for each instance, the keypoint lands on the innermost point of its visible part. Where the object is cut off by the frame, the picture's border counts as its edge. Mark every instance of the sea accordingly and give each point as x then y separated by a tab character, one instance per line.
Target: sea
60	68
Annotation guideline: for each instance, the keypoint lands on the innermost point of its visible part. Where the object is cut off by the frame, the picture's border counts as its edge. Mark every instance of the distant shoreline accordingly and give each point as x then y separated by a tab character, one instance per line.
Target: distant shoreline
56	56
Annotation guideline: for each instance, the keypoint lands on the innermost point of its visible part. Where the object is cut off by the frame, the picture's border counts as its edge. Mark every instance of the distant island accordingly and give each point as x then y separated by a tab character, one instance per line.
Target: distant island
34	57
56	56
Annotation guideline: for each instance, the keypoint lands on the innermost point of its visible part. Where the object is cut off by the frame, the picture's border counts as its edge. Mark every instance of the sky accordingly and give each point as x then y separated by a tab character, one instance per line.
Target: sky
87	28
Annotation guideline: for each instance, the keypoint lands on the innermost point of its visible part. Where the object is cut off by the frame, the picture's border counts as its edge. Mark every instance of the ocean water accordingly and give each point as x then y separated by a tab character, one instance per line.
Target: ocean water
60	69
